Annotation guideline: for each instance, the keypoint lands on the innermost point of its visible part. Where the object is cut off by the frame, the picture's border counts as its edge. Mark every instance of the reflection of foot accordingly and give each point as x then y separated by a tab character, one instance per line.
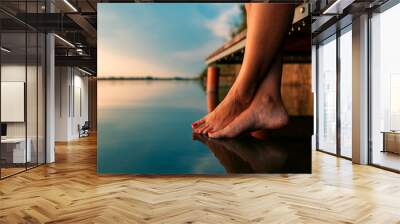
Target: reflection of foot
263	156
233	104
229	159
264	112
246	155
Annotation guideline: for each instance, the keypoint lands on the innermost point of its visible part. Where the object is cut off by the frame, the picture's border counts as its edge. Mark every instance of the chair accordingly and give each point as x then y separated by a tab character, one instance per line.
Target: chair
84	130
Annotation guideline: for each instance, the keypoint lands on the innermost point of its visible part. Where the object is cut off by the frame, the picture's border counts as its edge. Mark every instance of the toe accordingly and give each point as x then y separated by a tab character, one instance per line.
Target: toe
208	129
219	134
201	130
198	129
198	123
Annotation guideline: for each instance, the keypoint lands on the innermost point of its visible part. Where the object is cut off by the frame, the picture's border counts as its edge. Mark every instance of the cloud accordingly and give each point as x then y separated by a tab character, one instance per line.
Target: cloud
112	63
198	53
158	41
221	26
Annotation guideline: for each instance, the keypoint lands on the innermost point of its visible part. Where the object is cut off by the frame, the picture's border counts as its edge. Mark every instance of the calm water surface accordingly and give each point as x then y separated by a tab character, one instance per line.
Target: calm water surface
144	127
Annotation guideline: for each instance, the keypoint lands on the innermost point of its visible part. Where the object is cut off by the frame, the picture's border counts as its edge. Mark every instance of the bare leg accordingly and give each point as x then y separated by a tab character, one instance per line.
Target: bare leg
268	25
266	111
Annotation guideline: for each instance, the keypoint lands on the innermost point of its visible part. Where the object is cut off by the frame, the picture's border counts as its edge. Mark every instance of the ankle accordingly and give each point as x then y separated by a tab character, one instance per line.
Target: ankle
245	91
243	97
270	99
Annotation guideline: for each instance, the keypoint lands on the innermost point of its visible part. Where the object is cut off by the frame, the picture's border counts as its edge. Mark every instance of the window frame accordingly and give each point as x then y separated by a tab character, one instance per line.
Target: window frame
334	37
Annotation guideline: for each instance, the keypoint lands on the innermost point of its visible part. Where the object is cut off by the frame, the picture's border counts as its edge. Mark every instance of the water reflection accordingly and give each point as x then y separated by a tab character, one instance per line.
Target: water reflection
144	128
251	155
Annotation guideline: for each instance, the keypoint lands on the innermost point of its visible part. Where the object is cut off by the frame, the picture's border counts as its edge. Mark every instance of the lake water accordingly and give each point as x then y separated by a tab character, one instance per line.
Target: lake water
144	127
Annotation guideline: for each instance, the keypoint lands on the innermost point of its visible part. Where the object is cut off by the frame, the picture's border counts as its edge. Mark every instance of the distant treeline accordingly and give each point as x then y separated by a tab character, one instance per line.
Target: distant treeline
147	78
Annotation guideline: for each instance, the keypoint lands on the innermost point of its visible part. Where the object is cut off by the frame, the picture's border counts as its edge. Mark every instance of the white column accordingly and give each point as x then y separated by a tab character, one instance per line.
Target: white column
50	92
50	98
314	92
360	90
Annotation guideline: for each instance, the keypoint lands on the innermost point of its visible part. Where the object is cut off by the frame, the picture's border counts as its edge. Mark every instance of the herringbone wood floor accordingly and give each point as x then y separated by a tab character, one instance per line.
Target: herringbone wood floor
70	191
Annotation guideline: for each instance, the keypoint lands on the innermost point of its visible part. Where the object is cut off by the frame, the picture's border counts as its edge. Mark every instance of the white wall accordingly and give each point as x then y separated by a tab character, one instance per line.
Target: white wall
62	83
70	84
33	126
12	73
13	101
82	82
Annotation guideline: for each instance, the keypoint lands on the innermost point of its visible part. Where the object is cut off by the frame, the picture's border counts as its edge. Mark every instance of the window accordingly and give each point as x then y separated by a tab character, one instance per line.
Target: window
326	59
22	88
346	75
385	89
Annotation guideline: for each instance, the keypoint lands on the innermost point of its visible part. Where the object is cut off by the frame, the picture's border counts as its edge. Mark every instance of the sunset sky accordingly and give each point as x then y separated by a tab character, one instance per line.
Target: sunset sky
160	39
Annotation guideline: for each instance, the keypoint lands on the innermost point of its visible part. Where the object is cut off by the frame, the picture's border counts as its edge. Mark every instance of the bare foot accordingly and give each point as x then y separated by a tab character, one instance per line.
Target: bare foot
264	112
235	102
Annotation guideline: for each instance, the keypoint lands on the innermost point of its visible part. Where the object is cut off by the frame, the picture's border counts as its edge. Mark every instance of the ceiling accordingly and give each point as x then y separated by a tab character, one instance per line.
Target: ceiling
73	21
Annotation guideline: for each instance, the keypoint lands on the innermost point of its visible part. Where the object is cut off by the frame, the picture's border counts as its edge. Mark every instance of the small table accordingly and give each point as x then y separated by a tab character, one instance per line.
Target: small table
18	151
391	141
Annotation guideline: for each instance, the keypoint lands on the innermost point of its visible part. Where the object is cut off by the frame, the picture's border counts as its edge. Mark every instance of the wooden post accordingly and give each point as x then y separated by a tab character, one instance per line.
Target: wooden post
212	101
212	87
212	79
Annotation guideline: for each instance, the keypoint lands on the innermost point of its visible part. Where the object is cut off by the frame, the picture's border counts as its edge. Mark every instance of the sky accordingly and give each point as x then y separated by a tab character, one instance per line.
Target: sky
161	39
